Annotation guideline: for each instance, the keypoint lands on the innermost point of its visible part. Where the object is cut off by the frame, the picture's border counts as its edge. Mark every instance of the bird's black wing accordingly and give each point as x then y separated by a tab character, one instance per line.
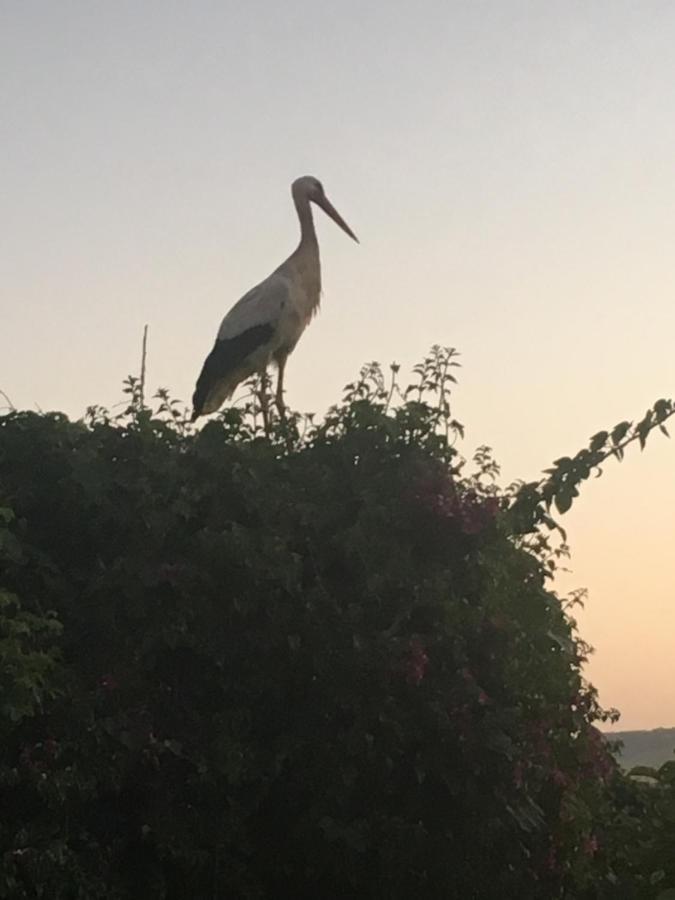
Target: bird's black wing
227	356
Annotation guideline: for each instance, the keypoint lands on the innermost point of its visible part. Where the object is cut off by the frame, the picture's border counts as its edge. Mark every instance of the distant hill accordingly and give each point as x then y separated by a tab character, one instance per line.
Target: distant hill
645	748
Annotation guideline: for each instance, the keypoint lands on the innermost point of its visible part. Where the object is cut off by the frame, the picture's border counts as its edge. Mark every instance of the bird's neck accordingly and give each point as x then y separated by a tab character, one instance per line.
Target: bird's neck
305	260
307	230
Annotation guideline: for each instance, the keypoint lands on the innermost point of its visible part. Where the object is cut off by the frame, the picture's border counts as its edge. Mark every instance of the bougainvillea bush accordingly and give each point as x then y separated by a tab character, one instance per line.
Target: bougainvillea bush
322	661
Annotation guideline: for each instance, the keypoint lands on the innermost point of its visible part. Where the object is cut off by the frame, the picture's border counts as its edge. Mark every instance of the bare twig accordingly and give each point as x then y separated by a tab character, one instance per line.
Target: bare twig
144	353
10	405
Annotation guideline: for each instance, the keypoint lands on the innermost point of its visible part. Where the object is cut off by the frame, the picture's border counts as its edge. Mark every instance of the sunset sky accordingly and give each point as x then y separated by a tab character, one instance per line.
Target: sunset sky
508	166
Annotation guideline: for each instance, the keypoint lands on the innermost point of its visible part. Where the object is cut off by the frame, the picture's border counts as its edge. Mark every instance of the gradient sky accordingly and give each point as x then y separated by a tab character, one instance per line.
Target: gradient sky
509	167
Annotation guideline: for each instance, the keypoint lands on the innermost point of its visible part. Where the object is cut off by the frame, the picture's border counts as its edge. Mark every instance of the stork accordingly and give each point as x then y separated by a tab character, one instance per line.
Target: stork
266	324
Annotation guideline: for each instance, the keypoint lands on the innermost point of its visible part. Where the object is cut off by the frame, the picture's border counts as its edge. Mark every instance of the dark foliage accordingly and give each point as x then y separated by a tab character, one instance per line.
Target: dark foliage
323	662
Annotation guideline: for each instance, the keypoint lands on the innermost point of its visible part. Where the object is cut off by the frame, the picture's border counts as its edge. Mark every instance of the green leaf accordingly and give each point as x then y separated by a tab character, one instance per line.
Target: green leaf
599	440
6	514
666	773
643	428
619	432
663	409
563	499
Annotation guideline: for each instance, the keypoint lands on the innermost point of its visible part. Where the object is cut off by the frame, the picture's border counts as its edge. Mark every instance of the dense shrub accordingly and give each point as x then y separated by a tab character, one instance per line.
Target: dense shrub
322	662
640	833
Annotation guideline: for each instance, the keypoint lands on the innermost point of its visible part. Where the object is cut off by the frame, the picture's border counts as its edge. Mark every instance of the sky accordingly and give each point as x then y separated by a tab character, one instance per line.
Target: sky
507	164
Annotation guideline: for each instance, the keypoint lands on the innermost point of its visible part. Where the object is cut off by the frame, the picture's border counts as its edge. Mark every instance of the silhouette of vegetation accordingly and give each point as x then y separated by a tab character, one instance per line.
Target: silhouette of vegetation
325	661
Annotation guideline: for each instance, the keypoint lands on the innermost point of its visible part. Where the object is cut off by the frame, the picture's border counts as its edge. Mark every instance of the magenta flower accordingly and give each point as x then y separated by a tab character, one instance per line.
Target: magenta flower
590	845
469	510
170	573
559	778
416	662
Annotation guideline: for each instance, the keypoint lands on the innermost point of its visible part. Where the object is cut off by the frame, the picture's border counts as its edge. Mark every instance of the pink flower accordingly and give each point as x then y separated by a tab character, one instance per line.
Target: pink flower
469	510
600	764
170	572
560	778
108	683
491	506
417	662
590	845
475	513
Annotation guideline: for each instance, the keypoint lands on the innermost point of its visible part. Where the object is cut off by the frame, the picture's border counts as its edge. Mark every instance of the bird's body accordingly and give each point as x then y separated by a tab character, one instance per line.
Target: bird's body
266	324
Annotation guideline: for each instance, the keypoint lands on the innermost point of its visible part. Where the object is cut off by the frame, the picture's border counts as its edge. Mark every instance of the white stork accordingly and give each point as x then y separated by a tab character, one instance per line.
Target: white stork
266	324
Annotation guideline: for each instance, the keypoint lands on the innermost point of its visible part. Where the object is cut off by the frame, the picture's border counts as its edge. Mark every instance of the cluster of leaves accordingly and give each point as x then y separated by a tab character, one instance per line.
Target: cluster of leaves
318	660
534	500
639	834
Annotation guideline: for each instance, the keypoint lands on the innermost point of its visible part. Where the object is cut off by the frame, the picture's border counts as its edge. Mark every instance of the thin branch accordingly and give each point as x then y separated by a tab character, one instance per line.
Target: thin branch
532	501
144	353
10	405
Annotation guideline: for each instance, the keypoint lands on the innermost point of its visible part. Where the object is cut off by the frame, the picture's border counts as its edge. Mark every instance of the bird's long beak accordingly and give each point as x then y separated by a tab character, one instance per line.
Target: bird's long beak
330	210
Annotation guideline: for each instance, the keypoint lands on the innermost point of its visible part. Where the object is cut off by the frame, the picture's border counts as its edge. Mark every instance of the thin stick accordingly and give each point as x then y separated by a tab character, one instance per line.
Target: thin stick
10	405
144	354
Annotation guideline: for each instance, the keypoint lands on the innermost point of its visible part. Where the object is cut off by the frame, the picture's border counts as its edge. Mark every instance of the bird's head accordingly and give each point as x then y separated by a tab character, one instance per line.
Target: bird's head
310	188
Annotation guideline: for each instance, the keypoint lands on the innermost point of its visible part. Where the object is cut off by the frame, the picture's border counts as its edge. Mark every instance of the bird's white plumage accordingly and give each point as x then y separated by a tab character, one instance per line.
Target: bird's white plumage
262	305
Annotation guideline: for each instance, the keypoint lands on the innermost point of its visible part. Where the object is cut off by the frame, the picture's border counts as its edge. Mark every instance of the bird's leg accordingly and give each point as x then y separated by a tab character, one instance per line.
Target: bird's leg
281	406
265	410
264	401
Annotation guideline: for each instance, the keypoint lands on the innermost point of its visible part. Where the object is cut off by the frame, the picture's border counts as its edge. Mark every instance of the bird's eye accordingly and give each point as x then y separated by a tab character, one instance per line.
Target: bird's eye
319	187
